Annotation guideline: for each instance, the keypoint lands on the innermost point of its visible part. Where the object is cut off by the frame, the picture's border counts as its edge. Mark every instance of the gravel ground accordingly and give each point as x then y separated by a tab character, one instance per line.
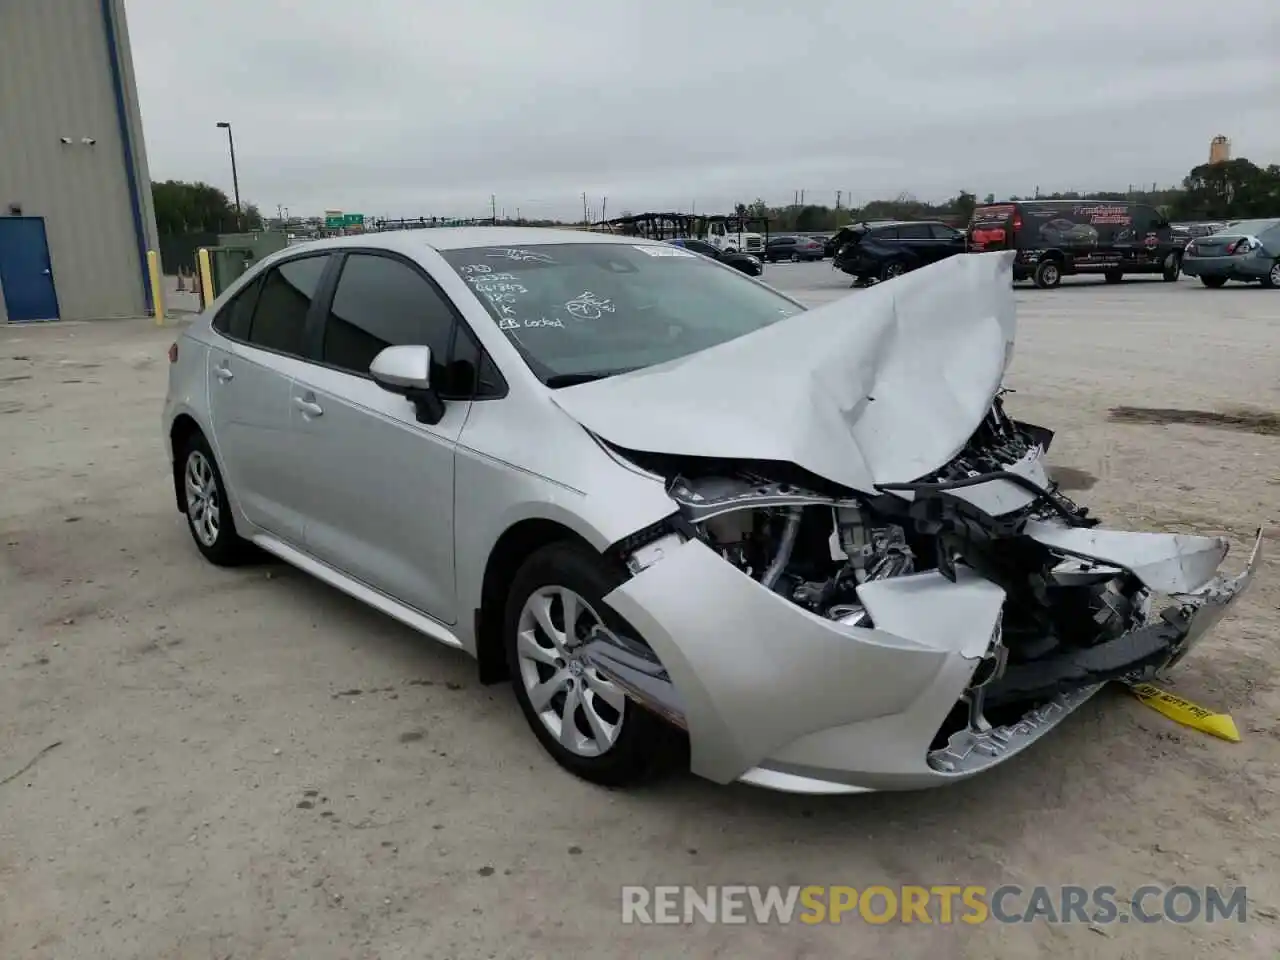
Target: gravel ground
249	764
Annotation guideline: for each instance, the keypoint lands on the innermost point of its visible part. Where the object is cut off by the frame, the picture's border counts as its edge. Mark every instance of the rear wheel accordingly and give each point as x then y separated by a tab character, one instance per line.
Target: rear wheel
585	722
1213	283
1048	274
1272	279
1113	276
894	269
208	511
1172	268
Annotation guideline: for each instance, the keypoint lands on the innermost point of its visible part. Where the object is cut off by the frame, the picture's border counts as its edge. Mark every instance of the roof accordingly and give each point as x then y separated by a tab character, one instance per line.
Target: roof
460	238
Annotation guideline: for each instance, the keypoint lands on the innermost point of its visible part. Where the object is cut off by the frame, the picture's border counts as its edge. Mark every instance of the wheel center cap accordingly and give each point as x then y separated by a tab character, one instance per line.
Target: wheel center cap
576	667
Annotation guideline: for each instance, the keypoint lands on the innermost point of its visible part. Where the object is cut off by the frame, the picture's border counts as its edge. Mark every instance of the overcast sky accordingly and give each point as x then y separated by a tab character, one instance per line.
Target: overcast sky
420	107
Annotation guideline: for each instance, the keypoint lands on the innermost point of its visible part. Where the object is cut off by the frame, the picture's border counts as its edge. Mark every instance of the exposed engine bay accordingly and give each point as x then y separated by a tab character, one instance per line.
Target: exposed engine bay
817	545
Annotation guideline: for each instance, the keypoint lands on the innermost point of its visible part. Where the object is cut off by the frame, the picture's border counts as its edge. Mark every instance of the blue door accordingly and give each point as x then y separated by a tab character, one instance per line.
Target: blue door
26	274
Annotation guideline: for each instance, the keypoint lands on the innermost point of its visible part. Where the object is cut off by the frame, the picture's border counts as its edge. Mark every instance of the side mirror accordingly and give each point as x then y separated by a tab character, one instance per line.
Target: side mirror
407	372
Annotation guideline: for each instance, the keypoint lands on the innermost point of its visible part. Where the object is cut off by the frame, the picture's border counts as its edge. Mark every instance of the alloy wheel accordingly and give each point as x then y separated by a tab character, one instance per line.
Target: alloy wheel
204	506
576	704
1275	274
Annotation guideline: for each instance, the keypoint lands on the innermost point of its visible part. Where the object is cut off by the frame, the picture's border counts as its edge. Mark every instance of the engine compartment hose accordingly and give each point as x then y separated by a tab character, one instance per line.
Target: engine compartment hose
785	546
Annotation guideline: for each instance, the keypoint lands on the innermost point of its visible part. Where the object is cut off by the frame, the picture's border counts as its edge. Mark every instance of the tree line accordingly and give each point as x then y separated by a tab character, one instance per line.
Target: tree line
1231	190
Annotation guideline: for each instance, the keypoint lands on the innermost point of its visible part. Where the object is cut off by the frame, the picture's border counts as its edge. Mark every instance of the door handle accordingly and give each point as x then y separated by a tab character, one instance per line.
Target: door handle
309	407
223	373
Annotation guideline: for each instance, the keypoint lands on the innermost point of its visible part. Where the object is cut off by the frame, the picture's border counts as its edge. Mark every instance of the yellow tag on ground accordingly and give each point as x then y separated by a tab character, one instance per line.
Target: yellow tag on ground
1186	713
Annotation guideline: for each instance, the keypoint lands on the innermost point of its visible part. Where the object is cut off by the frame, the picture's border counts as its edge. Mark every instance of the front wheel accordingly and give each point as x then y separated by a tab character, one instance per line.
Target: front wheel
1272	279
1172	268
795	258
583	720
1048	274
891	270
1214	283
1113	276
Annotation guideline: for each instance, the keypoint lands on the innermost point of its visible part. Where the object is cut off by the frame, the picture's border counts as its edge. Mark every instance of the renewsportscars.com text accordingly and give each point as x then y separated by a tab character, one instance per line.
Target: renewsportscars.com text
940	904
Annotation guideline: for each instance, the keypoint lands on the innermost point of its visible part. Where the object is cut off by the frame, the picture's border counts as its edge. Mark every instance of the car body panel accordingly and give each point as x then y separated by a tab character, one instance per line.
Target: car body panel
755	672
250	415
836	390
378	487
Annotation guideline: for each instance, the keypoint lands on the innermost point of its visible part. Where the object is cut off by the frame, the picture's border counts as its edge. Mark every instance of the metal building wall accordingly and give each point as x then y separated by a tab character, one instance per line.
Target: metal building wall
66	71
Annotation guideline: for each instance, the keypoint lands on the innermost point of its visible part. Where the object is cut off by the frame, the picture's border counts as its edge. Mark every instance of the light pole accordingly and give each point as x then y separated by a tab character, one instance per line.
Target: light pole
235	178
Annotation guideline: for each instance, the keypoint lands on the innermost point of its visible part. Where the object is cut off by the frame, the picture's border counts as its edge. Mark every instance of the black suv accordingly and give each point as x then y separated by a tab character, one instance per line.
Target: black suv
882	251
1056	238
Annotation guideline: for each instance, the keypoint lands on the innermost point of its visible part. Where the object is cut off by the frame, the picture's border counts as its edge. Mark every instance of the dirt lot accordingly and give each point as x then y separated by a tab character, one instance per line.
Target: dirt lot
251	765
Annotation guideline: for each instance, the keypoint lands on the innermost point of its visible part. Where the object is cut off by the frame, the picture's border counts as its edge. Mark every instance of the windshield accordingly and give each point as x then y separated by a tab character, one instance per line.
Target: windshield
578	311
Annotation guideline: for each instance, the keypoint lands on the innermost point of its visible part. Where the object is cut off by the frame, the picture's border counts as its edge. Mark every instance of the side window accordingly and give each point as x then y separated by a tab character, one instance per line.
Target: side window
279	322
942	232
885	233
381	302
914	231
237	314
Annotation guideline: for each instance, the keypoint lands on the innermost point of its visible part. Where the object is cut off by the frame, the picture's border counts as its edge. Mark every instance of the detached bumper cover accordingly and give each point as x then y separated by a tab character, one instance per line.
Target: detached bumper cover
774	695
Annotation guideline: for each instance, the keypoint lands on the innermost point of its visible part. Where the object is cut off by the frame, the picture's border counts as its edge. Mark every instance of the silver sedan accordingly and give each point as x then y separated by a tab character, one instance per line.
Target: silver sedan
688	519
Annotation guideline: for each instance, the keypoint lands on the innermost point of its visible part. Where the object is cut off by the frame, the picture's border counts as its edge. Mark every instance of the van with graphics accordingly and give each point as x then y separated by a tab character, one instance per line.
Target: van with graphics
1057	238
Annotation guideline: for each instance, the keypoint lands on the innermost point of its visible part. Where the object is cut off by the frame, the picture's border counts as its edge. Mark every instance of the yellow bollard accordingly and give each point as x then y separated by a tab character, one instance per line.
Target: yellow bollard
157	295
205	269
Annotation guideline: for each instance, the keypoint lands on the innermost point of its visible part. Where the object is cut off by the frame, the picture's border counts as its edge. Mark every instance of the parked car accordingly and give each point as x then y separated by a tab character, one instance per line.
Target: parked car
653	493
1249	252
792	248
1057	238
746	262
882	251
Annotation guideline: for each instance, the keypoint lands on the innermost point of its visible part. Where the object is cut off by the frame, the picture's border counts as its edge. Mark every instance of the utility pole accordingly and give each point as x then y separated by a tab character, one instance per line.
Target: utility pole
802	198
585	218
604	206
235	177
838	201
493	207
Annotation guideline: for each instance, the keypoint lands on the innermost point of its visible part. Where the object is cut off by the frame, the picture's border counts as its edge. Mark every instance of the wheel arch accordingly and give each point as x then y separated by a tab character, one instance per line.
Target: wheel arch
183	428
516	544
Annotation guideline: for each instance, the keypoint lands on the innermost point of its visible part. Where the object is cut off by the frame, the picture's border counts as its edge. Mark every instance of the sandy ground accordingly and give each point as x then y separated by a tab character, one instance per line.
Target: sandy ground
251	765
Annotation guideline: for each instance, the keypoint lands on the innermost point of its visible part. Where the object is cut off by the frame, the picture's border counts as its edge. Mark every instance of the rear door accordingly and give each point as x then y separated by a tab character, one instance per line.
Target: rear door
916	242
380	490
261	346
947	241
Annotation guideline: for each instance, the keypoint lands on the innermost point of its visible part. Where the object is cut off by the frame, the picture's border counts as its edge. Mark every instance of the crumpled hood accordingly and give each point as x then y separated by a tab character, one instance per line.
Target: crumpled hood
878	387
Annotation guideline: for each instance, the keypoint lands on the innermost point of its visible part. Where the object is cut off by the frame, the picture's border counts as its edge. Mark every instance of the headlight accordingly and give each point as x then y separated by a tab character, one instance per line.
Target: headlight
754	260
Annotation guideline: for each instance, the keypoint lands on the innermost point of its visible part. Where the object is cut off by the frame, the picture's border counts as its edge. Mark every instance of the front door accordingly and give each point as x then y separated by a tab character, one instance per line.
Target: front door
379	506
26	273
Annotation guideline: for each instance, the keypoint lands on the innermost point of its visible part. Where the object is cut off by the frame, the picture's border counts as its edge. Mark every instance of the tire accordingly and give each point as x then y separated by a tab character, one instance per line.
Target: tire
795	258
895	268
1172	268
1214	283
1113	276
1272	279
1048	274
643	743
207	509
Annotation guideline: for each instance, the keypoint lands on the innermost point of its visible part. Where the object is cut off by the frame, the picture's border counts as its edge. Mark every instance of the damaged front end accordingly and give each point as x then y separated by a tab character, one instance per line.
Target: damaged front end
813	637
